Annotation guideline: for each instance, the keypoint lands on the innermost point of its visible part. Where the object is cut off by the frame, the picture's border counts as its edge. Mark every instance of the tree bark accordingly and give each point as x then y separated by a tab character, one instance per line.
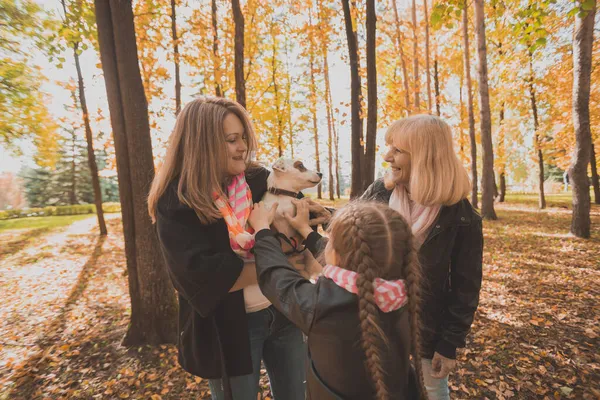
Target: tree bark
90	145
313	99
73	191
436	81
371	27
153	302
89	139
328	109
502	195
487	174
427	69
595	182
355	89
276	92
537	142
467	65
216	59
583	40
405	78
240	80
417	81
176	56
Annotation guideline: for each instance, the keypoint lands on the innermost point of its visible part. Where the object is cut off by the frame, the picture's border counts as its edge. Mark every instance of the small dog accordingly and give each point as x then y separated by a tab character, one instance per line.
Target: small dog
288	178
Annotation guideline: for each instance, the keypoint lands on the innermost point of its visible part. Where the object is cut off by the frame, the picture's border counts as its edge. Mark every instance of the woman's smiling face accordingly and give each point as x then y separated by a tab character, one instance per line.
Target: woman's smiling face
399	160
237	144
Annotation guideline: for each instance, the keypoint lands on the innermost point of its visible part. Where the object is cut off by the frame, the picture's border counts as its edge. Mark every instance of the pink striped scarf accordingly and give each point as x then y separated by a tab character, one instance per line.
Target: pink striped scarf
235	211
389	295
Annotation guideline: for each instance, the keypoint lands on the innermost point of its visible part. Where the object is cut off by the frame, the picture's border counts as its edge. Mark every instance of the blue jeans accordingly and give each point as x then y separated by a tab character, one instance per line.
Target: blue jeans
280	344
437	389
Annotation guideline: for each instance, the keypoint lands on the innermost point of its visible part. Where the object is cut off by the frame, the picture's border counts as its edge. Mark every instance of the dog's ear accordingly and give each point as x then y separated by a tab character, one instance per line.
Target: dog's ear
279	165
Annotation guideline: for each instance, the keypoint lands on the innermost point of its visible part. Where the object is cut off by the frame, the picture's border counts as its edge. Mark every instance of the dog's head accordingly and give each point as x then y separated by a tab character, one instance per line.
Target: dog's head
293	175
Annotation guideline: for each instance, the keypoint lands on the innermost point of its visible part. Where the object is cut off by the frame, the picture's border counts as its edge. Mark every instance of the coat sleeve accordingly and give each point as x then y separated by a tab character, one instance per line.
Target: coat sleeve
315	243
465	278
292	294
199	273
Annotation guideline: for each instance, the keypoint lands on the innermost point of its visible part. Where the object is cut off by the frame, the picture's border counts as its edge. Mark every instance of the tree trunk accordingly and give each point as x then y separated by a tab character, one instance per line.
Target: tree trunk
216	59
369	160
73	191
288	99
176	57
502	195
240	80
417	81
276	92
153	302
595	182
355	89
583	40
329	112
467	65
436	81
337	155
90	145
427	73
487	174
313	99
537	142
399	41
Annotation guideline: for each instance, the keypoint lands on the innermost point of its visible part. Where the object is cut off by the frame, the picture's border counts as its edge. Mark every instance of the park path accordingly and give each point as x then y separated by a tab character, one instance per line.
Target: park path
40	279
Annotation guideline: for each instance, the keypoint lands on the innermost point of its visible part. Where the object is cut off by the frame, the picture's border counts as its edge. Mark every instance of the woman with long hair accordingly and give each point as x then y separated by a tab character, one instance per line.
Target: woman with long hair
428	185
200	201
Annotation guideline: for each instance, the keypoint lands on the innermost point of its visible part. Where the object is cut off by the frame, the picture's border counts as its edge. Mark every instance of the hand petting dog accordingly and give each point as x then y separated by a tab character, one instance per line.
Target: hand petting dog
301	221
262	216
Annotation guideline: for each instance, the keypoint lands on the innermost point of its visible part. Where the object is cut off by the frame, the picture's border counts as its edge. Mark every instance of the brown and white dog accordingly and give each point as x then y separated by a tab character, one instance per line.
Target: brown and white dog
288	178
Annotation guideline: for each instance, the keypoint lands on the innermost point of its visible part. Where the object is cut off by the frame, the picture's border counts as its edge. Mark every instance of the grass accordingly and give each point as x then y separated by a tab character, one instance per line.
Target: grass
41	222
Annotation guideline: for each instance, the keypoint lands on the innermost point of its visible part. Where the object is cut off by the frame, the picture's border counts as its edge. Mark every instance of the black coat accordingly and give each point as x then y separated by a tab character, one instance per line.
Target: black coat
451	260
203	268
328	315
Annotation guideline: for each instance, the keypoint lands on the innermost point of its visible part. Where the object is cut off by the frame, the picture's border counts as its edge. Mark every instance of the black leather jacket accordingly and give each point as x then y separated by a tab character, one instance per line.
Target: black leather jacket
328	315
451	259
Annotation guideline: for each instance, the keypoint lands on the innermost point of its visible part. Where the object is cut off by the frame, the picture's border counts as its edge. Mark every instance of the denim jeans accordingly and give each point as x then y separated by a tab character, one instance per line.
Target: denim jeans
280	345
437	389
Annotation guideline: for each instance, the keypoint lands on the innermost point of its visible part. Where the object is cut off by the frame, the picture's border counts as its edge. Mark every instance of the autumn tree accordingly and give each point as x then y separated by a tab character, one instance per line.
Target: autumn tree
23	111
240	79
356	99
175	38
471	114
371	137
487	174
583	39
153	302
78	25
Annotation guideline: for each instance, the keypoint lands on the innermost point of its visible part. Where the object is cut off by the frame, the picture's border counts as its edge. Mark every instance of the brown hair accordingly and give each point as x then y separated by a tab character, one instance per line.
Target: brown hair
376	242
197	153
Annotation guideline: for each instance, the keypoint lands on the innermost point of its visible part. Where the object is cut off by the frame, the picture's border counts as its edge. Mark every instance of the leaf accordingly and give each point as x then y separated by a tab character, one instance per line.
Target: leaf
588	5
566	390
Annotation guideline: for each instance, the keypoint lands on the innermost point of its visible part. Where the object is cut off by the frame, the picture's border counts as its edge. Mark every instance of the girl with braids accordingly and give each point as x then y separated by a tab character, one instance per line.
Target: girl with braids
361	316
428	185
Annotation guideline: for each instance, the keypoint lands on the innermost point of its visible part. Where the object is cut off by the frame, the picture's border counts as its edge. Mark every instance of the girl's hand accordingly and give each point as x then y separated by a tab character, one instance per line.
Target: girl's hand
261	216
322	214
301	221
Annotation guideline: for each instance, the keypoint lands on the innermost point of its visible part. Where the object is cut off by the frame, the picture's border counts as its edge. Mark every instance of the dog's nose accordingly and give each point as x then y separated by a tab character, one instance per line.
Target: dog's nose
320	174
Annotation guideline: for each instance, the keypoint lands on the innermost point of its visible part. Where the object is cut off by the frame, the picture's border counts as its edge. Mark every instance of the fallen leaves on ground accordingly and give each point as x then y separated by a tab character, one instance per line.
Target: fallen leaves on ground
65	309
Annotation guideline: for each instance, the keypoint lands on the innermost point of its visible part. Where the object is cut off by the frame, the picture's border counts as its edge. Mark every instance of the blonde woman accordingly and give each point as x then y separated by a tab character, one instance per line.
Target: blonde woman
200	200
428	186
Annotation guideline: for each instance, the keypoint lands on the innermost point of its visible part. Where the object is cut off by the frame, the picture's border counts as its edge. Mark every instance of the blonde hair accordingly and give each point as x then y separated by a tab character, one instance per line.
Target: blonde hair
437	176
197	154
376	242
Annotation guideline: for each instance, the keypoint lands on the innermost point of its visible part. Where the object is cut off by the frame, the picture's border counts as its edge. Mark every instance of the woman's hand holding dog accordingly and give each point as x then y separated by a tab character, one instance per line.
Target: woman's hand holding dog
262	216
322	214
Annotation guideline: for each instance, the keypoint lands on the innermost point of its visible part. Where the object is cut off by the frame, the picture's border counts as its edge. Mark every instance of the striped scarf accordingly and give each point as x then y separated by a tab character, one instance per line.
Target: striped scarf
389	295
235	211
